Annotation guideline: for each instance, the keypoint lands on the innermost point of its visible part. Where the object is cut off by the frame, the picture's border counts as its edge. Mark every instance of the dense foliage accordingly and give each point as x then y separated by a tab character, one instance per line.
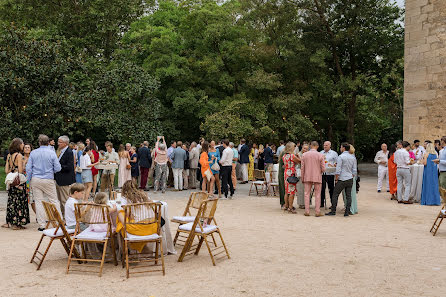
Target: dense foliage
261	69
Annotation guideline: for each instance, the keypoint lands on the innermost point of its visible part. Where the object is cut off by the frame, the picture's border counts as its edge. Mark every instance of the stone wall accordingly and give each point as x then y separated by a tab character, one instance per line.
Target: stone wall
425	70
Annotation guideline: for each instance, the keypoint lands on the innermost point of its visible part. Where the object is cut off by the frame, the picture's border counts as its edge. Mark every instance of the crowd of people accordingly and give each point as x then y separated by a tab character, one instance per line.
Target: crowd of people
394	168
48	173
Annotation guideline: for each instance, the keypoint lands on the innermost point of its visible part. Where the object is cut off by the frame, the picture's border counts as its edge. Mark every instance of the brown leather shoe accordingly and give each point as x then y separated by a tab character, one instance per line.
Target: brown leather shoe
319	215
407	202
307	214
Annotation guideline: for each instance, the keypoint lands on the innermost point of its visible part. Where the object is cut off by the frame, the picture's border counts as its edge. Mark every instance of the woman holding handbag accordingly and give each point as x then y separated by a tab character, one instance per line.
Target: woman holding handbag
124	166
289	161
214	158
208	177
17	210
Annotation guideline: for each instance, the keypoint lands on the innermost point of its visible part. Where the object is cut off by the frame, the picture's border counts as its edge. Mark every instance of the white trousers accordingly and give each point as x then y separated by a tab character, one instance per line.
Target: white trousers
403	177
245	172
383	174
178	178
44	190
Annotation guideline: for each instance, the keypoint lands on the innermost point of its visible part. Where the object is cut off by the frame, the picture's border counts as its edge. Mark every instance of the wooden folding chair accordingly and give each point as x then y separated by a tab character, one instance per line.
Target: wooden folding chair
96	216
55	230
200	228
260	181
136	216
194	202
441	214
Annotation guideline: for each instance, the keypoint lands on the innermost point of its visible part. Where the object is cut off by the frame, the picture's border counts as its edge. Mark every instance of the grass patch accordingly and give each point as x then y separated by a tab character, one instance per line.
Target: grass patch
2	178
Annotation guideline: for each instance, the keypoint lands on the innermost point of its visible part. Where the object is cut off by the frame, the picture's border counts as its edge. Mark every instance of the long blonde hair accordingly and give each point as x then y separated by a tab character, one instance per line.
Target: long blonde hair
289	148
132	194
430	149
352	149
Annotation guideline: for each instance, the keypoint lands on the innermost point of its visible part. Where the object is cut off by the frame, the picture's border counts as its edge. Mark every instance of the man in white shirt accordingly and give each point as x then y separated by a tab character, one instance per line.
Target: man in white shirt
403	176
381	159
418	151
226	169
280	148
108	176
328	178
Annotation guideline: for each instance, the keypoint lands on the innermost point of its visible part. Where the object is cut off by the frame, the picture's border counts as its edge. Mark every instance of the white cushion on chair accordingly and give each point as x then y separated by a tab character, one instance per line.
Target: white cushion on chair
50	232
443	211
184	219
131	237
207	229
259	182
87	234
274	184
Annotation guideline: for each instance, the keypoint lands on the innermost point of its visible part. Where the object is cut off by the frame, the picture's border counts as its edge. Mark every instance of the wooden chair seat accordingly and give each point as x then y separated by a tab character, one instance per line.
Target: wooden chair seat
182	219
56	232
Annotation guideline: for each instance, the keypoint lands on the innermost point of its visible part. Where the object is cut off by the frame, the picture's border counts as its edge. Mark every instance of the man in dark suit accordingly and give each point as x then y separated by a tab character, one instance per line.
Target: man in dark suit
244	160
66	176
269	158
145	162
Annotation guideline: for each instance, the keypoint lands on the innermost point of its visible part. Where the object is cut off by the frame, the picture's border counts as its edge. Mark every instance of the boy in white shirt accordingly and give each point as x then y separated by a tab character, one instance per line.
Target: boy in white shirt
76	196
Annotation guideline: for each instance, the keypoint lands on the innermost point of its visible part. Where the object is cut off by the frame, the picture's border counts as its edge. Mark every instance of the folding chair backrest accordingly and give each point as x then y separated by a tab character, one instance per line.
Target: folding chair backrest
92	214
146	213
189	202
259	174
443	195
207	209
54	218
198	198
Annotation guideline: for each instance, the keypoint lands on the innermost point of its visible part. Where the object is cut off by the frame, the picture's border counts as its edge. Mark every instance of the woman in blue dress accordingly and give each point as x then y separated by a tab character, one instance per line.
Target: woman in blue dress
80	150
214	152
430	195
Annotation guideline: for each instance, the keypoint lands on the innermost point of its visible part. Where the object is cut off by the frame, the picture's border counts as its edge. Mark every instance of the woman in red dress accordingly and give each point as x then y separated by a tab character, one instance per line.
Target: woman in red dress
94	171
393	183
289	164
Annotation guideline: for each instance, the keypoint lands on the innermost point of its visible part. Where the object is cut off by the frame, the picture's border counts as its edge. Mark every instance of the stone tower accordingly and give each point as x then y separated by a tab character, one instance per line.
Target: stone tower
425	70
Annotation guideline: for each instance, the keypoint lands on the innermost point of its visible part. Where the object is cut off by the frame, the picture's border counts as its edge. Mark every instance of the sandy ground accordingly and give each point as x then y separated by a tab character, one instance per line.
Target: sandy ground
385	250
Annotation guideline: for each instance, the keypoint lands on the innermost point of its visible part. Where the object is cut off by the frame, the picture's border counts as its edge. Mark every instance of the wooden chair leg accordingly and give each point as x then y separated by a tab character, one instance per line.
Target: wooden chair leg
113	244
156	252
37	248
84	254
249	194
44	254
176	237
200	242
209	249
104	251
122	250
223	242
162	256
71	254
187	245
126	258
65	246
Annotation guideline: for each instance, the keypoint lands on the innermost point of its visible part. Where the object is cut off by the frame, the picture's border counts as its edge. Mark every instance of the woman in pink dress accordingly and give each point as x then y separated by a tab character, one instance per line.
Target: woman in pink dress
289	164
124	166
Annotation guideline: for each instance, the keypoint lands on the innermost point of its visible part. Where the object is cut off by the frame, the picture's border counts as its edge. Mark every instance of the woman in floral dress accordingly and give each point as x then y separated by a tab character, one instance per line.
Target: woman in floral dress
289	164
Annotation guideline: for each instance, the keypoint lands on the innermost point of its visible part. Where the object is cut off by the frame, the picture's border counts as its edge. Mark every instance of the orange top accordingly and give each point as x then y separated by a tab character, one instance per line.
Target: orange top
204	162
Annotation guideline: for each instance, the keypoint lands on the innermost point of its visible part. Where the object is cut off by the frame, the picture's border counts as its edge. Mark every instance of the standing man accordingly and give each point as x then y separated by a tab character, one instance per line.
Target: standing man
244	160
399	144
40	169
346	169
280	148
441	161
145	162
194	156
66	176
418	151
268	157
234	165
226	169
328	178
178	156
402	161
173	145
381	159
437	144
108	176
312	167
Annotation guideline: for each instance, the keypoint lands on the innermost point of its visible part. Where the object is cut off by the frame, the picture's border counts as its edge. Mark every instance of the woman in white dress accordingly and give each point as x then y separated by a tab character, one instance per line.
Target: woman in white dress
124	166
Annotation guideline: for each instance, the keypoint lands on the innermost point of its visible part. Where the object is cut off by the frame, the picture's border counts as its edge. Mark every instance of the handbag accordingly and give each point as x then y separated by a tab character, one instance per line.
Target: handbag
292	180
215	167
208	174
128	166
78	169
16	180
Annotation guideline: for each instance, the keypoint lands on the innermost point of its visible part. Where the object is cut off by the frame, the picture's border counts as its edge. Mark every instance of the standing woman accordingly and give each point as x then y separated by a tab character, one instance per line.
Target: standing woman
429	193
251	164
289	161
214	157
134	164
94	160
281	177
261	164
124	166
393	183
80	151
161	169
17	210
26	151
208	177
300	186
86	165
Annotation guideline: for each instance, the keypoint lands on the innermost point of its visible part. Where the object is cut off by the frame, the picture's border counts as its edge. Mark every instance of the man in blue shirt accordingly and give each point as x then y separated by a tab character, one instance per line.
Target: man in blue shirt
178	156
441	161
42	164
346	169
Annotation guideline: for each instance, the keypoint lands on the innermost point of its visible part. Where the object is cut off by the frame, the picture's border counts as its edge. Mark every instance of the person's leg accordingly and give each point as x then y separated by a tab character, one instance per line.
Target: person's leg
180	179
62	195
229	179
211	186
442	180
185	179
95	183
163	178
49	189
38	198
317	197
234	175
348	195
323	187
291	201
407	184
104	181
204	184
218	184
245	172
144	172
331	185
307	190
381	175
399	179
224	180
386	178
111	181
193	178
87	191
337	191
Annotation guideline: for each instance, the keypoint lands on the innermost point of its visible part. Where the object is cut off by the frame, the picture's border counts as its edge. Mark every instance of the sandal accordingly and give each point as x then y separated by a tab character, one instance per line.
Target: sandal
292	210
18	228
5	225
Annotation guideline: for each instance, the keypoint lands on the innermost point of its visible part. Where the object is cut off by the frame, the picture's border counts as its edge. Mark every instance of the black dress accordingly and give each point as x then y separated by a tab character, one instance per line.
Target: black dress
135	166
261	161
17	210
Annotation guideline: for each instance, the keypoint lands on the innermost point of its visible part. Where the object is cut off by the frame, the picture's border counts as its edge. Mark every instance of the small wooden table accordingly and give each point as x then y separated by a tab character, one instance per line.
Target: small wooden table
111	183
